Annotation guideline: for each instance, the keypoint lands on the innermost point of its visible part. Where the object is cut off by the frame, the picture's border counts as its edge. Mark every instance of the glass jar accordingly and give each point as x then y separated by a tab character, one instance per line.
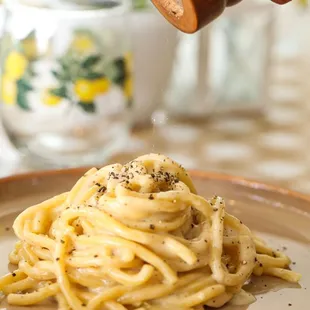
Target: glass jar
224	67
66	80
240	55
189	94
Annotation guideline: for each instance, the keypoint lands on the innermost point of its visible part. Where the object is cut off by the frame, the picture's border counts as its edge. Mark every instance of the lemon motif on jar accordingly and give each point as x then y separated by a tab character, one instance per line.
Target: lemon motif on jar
128	84
83	43
102	85
129	62
50	99
128	88
15	65
9	90
85	90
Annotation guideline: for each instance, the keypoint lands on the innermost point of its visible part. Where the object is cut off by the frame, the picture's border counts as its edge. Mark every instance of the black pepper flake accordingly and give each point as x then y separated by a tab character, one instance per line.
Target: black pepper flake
294	263
62	241
260	265
151	197
13	274
152	226
215	209
206	241
102	189
57	259
7	228
98	184
83	305
96	256
289	304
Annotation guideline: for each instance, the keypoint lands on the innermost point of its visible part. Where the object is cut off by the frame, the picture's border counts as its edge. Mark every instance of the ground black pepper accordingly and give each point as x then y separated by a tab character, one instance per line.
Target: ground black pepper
102	189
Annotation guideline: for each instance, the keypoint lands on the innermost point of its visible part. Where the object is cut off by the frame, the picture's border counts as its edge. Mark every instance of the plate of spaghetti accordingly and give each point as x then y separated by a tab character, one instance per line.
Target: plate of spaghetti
148	235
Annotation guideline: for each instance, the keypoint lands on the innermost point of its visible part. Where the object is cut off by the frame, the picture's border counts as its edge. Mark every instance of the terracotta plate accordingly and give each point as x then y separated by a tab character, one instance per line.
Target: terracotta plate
280	216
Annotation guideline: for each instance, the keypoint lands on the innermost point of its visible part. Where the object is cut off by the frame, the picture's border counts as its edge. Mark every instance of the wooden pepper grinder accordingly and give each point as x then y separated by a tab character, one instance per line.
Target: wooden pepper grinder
191	15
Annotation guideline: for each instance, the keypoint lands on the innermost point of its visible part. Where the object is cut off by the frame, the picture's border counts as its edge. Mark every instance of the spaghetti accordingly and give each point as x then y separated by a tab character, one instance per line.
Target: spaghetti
135	237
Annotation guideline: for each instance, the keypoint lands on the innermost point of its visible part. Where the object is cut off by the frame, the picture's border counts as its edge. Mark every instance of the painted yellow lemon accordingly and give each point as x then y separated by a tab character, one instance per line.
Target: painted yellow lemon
129	62
50	99
101	85
85	90
16	65
128	88
83	44
9	90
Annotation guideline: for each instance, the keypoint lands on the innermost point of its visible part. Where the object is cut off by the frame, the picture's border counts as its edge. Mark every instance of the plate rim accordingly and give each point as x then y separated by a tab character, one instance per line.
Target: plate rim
201	174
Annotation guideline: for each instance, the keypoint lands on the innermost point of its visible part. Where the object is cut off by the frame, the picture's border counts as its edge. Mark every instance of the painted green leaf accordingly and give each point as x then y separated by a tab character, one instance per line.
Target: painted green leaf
88	107
90	61
120	72
24	86
110	71
91	75
64	65
22	100
60	92
61	76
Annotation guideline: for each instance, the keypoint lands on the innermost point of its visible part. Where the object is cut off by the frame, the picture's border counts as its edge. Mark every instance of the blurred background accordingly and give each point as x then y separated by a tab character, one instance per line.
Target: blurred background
93	82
